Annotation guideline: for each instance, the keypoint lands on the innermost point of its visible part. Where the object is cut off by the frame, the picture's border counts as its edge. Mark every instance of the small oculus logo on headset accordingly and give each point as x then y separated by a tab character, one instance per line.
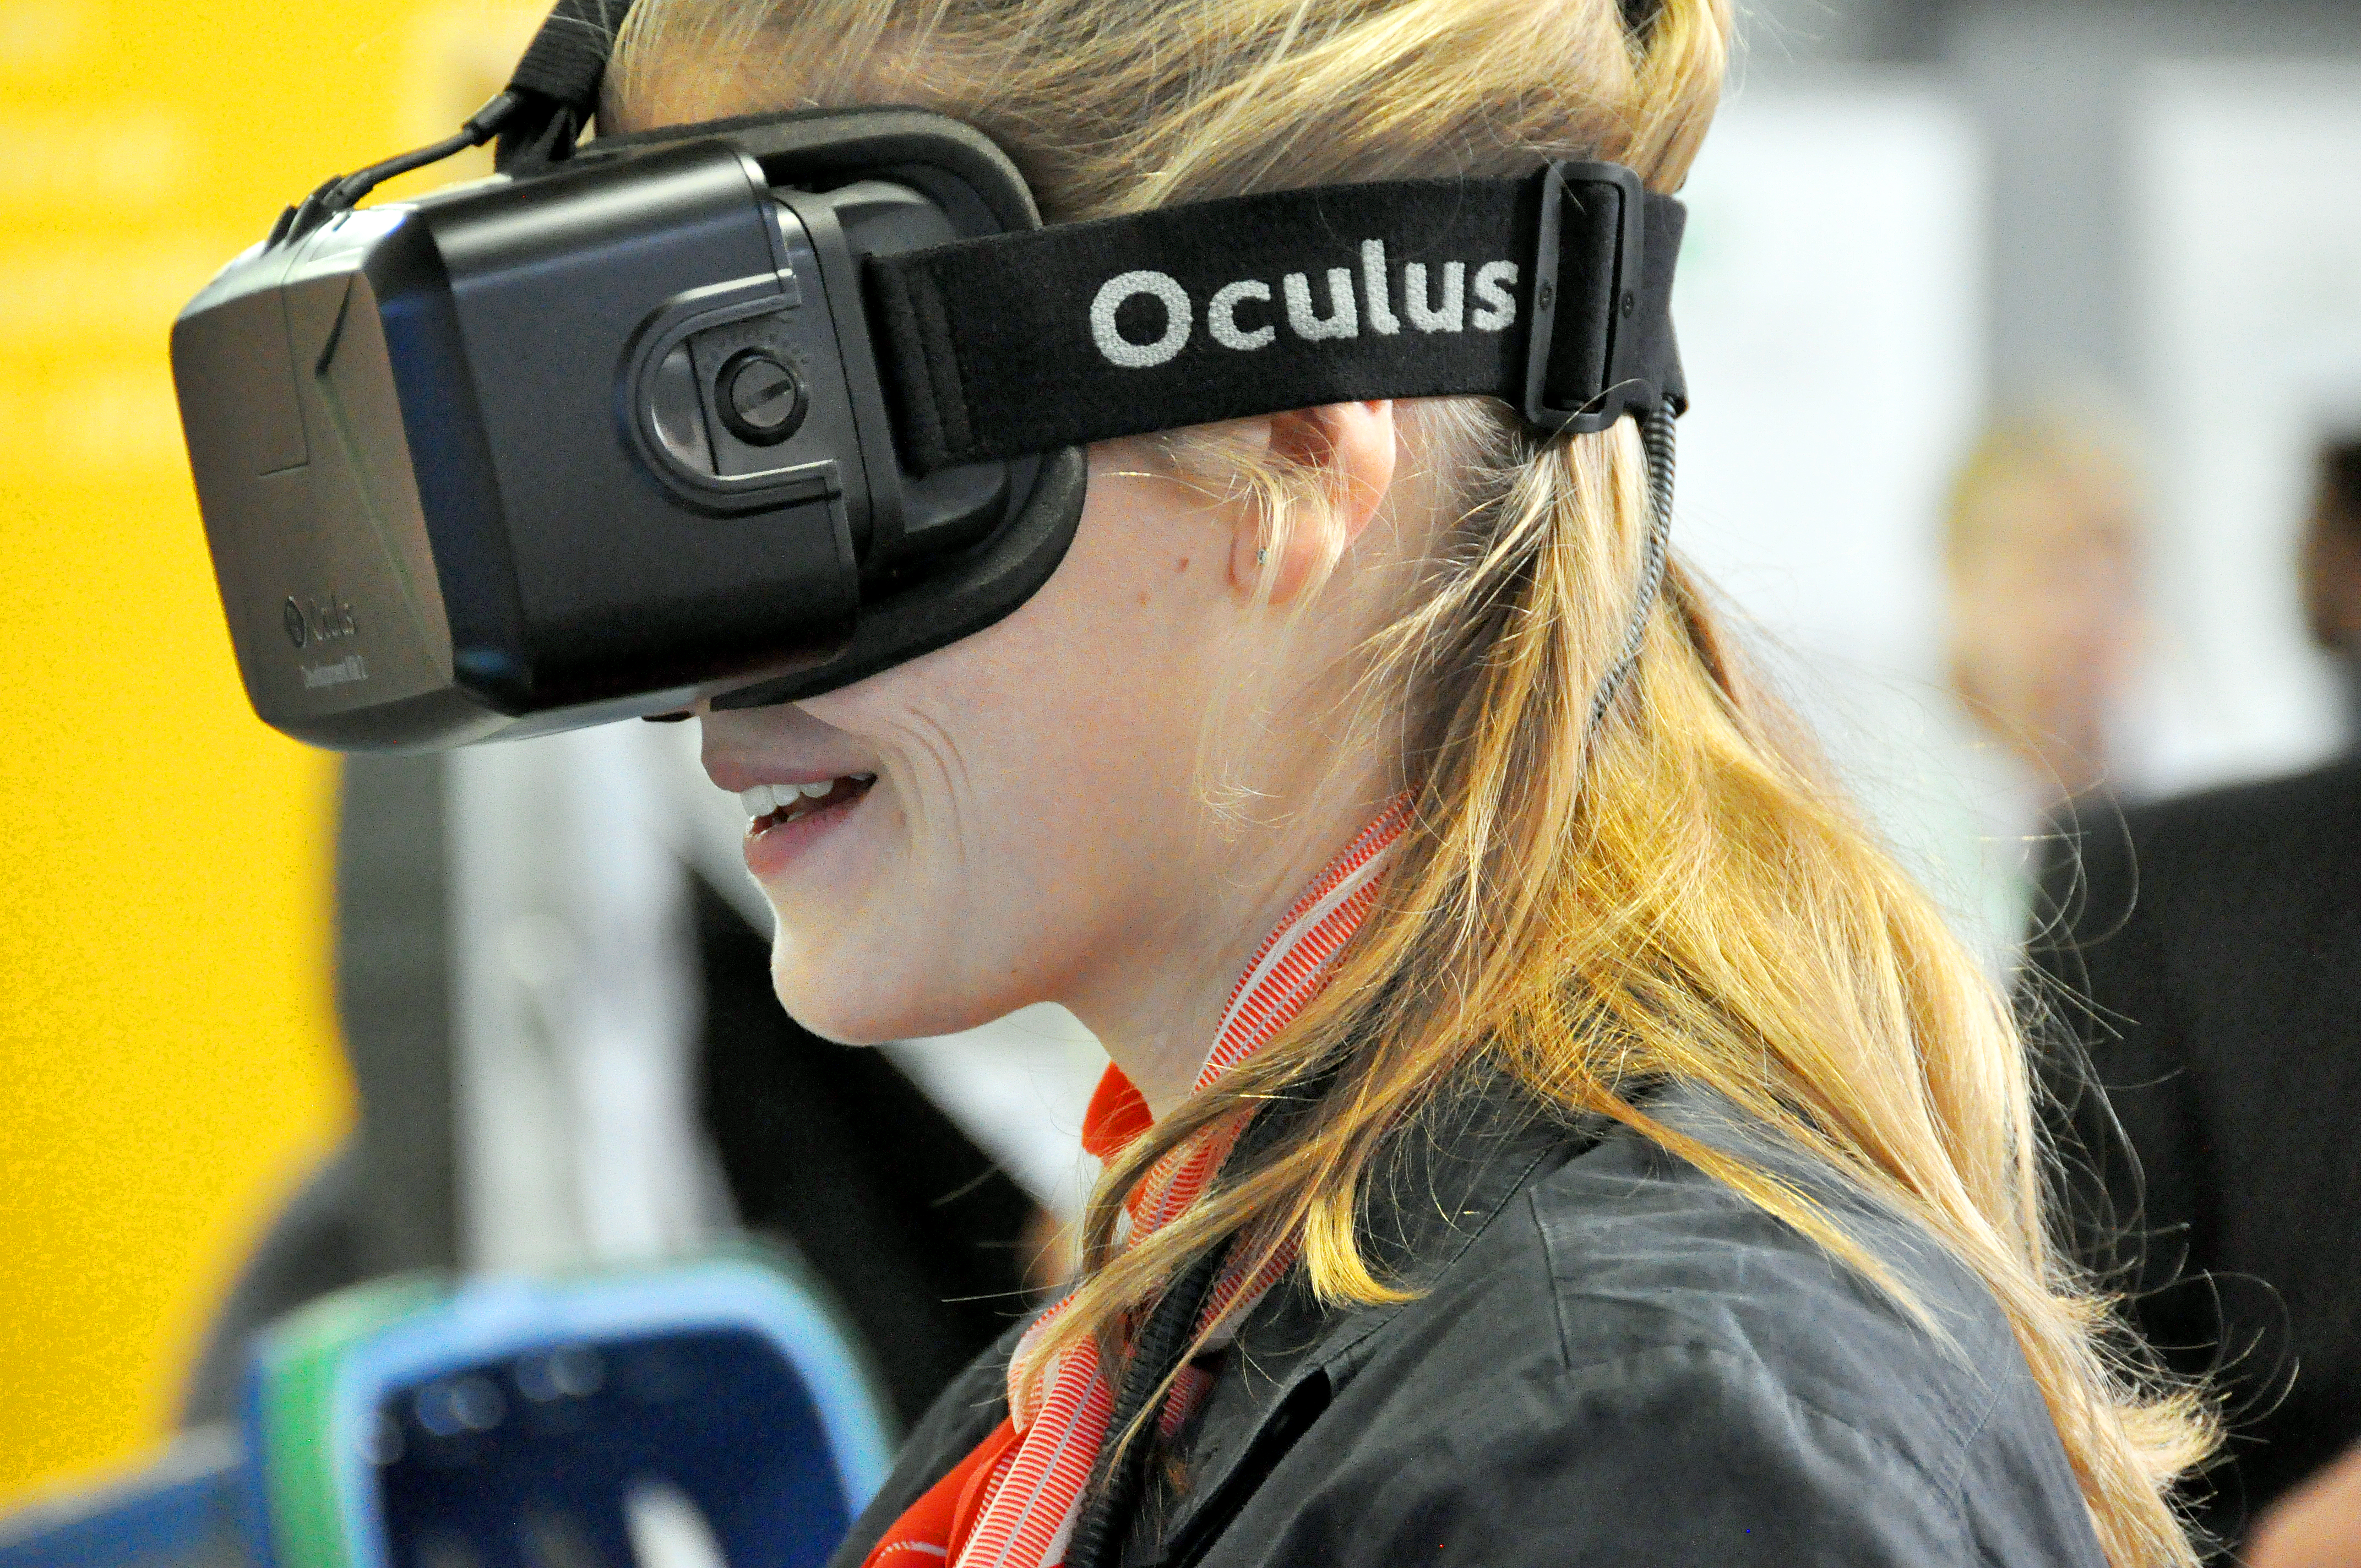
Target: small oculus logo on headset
328	619
1245	316
318	620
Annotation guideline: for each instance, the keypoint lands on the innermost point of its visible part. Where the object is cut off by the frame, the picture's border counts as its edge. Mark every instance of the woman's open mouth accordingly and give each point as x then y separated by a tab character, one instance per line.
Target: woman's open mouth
774	805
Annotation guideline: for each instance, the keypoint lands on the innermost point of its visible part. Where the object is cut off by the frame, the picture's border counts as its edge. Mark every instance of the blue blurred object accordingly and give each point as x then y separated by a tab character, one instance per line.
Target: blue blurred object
708	1416
184	1511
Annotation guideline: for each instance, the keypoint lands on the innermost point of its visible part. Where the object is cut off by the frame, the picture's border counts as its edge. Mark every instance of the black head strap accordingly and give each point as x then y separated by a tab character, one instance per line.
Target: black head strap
1551	292
558	81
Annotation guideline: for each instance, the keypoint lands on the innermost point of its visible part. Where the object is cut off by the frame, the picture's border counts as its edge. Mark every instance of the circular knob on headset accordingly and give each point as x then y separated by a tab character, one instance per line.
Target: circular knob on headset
760	396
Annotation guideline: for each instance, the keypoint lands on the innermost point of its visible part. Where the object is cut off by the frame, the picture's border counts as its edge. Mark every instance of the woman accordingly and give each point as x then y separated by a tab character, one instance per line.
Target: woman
1543	1126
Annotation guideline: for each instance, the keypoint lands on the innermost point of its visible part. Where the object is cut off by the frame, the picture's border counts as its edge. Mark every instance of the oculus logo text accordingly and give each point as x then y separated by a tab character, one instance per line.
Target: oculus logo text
316	620
1244	316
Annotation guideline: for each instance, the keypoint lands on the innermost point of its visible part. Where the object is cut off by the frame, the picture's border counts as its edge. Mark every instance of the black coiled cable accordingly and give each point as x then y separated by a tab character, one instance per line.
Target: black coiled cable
1656	435
1115	1493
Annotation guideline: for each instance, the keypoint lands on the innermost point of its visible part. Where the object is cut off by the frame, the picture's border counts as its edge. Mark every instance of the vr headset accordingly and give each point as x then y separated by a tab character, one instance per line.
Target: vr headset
750	410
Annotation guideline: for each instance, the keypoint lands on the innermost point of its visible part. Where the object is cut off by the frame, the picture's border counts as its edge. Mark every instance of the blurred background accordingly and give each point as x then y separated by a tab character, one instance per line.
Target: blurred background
2016	328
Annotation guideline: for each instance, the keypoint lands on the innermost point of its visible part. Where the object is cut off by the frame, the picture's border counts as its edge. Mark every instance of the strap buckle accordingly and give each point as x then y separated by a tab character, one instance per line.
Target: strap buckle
1584	342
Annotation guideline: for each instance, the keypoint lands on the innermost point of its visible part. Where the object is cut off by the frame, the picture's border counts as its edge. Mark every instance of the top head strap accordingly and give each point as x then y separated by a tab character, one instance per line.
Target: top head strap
558	80
1552	292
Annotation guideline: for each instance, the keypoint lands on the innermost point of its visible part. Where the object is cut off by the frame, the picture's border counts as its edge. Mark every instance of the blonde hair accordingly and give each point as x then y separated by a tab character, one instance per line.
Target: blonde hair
1675	896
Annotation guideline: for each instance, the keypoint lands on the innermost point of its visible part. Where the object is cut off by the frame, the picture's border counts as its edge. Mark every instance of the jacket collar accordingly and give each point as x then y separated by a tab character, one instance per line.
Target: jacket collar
1440	1183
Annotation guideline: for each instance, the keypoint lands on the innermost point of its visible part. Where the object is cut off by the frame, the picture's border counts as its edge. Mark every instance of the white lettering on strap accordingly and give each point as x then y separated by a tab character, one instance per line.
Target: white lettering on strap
1382	319
1120	350
1494	280
1221	316
1341	320
1424	313
1426	307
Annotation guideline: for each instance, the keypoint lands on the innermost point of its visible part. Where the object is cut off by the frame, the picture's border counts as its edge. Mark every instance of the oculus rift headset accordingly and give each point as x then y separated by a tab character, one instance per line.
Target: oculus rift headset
750	409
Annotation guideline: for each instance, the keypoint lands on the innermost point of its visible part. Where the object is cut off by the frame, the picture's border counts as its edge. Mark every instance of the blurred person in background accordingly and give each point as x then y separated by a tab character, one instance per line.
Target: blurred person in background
2331	567
2208	961
2045	539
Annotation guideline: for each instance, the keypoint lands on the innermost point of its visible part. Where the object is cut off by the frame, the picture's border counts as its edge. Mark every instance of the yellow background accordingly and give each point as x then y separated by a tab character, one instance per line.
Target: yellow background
168	1044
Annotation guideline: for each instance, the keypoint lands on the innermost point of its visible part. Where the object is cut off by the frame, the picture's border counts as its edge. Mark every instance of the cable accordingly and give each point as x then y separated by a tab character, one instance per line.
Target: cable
1656	435
339	193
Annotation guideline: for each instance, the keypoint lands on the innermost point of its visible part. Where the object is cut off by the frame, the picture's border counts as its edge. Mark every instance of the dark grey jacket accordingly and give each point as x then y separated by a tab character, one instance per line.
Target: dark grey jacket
2209	950
1613	1359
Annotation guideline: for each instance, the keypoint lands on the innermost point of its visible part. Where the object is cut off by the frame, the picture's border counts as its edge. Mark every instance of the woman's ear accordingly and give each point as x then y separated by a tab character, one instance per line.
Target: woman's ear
1350	447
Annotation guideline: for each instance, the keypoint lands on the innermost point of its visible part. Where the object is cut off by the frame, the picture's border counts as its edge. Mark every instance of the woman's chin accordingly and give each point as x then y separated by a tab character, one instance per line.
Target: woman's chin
842	998
840	1029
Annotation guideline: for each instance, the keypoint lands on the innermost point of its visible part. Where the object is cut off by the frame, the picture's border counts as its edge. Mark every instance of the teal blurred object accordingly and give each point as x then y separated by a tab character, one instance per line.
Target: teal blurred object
706	1415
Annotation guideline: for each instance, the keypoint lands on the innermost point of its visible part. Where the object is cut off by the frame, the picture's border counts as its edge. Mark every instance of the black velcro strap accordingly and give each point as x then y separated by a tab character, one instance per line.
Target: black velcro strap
1219	309
560	76
568	58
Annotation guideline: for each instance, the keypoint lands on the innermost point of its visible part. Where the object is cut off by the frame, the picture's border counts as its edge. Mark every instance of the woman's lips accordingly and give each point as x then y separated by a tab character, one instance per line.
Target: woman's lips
797	820
786	802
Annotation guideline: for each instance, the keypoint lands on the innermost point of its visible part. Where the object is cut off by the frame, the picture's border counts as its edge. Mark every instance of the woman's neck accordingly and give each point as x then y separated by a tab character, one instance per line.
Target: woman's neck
1156	1003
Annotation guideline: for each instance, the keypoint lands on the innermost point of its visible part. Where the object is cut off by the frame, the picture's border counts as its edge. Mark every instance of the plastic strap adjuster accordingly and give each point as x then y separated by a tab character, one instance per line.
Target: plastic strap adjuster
1591	333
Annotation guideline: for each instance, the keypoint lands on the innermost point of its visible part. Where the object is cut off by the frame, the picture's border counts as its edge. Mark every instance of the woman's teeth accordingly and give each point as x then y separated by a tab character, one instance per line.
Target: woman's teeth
769	803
